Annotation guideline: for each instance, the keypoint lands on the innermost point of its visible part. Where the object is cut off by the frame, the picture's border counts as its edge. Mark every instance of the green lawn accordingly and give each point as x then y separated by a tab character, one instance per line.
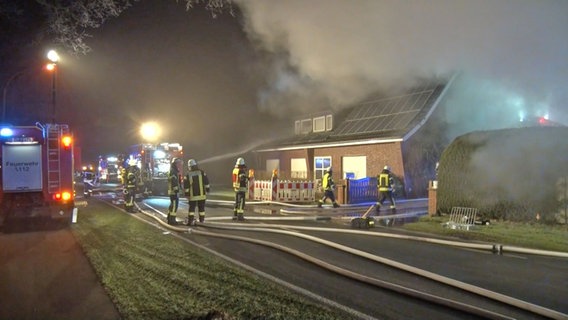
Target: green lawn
150	274
528	235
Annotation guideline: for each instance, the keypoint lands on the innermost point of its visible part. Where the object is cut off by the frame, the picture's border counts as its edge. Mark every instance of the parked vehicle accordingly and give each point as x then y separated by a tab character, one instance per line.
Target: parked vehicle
37	172
154	163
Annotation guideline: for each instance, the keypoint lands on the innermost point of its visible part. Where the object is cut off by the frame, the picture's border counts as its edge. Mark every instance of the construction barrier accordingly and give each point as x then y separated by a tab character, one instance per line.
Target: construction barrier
283	191
462	218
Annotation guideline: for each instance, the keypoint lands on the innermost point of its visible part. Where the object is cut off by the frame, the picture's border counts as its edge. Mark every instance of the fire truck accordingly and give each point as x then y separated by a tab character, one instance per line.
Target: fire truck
108	169
154	163
37	172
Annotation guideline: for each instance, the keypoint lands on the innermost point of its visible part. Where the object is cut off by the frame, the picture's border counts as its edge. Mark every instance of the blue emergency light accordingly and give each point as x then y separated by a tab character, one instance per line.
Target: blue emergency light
6	132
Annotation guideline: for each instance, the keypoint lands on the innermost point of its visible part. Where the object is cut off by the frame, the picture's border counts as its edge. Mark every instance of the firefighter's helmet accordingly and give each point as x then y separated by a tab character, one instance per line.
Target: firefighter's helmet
387	168
132	162
329	171
191	163
240	162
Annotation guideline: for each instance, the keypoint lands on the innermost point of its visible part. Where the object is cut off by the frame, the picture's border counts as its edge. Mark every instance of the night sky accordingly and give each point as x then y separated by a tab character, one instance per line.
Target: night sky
221	85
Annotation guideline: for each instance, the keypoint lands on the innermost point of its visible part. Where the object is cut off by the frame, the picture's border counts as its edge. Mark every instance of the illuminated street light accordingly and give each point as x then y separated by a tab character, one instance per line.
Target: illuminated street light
150	131
53	56
52	67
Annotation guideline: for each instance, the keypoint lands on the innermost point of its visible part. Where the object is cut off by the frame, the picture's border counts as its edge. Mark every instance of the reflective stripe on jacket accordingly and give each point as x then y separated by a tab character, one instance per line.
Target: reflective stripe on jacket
384	182
173	183
196	184
327	182
240	179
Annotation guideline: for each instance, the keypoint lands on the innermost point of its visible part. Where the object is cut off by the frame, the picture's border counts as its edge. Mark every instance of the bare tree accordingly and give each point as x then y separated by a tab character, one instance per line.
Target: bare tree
67	22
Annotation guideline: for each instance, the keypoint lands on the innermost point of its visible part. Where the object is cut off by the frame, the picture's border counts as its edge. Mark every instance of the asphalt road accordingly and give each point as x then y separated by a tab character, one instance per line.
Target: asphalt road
45	275
535	279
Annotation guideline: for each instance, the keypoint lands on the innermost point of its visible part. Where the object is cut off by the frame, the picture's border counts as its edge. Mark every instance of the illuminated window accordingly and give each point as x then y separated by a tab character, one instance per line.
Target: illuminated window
320	165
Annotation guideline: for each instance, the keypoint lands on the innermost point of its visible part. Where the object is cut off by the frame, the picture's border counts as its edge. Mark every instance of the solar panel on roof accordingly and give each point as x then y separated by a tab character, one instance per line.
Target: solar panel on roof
395	113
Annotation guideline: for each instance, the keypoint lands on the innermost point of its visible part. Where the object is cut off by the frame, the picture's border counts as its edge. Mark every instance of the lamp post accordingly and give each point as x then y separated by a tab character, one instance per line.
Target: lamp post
54	58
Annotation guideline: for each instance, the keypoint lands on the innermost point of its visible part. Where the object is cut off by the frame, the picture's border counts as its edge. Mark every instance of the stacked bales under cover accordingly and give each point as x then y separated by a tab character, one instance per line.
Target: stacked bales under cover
511	174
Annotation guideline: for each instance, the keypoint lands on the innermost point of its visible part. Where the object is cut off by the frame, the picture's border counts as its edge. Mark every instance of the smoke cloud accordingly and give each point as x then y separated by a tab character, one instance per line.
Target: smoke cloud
511	53
220	85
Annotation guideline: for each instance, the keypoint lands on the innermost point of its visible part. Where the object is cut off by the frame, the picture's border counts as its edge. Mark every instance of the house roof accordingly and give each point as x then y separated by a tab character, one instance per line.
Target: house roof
374	120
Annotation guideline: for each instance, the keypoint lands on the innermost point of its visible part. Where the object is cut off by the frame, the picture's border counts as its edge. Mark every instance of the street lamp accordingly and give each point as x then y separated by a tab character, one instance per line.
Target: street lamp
54	58
150	131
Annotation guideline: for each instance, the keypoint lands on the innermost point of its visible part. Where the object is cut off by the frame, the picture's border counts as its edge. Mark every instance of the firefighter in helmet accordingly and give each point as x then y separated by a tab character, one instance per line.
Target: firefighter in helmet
130	185
385	184
328	186
240	184
196	187
173	189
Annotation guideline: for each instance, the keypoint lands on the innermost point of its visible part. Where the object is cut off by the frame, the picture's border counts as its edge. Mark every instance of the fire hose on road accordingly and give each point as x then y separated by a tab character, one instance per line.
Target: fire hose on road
423	273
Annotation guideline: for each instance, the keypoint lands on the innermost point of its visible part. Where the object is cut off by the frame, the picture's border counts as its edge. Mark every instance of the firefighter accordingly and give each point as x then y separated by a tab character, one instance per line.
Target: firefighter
173	189
240	184
328	185
130	185
196	187
385	184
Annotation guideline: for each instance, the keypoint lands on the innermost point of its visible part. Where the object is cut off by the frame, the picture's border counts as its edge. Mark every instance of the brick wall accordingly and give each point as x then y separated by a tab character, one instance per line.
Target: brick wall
378	155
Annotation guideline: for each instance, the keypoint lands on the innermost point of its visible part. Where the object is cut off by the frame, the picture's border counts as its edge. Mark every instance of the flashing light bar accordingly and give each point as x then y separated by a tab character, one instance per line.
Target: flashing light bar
6	132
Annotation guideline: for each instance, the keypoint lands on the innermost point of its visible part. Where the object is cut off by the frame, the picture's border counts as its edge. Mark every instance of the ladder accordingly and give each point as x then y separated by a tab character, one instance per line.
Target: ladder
54	132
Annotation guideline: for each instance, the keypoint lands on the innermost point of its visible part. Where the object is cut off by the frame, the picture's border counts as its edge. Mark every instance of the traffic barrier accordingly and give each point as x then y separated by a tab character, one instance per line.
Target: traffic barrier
284	191
274	185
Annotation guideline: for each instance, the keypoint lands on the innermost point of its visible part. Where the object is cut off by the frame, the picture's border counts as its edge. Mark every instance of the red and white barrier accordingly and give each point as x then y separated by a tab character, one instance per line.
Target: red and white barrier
283	191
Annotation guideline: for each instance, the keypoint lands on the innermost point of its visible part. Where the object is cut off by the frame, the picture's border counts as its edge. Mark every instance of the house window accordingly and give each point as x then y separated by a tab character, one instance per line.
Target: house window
356	166
320	165
319	124
299	169
328	123
298	127
306	126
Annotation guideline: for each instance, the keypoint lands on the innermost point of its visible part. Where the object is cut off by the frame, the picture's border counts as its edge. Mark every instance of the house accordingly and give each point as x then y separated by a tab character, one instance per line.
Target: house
401	131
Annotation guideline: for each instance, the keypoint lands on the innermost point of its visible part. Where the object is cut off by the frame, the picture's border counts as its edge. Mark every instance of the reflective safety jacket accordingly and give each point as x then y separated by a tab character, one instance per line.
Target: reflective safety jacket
196	185
327	182
135	178
385	181
240	179
173	183
130	181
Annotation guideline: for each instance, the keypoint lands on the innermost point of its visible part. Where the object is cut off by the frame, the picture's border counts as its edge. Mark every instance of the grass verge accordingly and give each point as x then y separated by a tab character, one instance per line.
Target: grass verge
527	235
152	275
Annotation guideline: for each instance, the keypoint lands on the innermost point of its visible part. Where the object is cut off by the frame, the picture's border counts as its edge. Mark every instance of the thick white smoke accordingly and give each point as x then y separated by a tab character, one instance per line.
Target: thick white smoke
337	51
